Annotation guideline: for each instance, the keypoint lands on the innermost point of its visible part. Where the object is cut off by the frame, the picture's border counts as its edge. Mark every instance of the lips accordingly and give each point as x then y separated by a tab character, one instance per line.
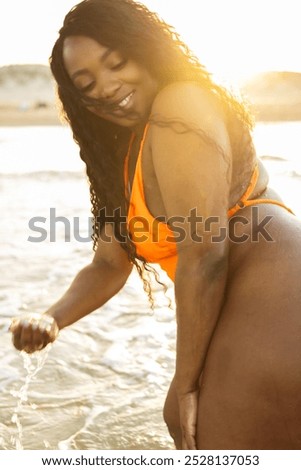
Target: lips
122	105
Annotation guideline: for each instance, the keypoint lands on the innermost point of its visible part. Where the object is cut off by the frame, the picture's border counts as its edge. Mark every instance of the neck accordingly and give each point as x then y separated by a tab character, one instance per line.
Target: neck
139	129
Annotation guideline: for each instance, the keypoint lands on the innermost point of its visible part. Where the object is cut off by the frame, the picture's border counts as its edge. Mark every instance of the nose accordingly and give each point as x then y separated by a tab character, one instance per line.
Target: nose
107	87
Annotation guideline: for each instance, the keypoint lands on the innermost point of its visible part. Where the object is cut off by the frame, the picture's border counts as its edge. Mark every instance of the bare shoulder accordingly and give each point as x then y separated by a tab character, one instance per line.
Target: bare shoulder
190	103
191	163
178	93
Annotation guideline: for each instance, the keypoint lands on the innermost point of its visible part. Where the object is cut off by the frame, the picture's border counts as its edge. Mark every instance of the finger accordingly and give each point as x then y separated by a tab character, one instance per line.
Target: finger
189	433
48	327
26	340
15	323
39	339
190	442
184	444
16	337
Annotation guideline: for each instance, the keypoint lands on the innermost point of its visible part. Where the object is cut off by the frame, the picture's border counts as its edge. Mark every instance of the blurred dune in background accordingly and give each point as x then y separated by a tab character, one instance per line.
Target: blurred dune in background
27	96
274	96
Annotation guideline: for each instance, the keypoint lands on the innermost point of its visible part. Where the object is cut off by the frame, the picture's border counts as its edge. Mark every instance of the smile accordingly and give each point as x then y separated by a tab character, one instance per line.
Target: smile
125	101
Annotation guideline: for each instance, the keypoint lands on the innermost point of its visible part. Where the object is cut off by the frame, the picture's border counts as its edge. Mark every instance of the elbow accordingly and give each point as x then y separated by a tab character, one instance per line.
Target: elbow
209	265
120	271
216	267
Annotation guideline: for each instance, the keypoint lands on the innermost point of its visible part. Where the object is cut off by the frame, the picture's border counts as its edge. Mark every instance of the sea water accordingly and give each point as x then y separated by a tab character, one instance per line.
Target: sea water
104	381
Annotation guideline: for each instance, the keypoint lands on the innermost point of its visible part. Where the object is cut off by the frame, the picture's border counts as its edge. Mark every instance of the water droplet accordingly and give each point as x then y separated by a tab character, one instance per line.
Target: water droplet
32	363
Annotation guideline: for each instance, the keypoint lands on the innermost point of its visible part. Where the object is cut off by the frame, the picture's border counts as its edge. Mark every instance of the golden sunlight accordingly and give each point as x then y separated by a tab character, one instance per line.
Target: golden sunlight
235	39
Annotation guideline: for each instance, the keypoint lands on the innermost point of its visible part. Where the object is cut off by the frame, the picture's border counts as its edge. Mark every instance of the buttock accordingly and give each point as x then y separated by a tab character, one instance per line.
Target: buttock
264	232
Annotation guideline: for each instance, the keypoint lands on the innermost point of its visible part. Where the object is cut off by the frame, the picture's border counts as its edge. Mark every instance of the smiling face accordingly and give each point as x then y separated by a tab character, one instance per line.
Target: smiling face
124	89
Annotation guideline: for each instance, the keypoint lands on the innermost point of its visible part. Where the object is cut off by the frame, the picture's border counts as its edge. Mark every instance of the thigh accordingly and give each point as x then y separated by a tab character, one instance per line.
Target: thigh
250	396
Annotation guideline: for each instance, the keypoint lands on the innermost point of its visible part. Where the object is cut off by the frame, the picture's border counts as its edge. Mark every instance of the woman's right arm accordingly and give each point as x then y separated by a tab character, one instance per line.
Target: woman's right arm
93	286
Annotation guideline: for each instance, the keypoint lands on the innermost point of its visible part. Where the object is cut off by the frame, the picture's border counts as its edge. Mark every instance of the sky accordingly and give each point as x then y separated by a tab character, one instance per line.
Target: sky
234	39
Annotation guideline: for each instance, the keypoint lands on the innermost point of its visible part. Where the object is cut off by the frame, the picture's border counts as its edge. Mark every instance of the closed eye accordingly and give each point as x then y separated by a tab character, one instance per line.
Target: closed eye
119	65
87	88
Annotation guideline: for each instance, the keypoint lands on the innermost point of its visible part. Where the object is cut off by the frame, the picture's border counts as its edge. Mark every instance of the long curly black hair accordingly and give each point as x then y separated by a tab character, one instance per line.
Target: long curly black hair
137	33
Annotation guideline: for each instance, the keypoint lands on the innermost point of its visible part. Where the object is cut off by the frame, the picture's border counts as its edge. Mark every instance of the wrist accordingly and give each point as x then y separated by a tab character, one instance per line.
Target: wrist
57	317
183	386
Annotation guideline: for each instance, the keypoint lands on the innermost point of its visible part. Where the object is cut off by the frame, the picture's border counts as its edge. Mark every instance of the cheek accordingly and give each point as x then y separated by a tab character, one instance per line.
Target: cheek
97	112
134	74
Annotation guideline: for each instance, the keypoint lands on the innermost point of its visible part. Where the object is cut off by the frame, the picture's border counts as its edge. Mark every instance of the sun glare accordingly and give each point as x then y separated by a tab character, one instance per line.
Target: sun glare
233	38
236	39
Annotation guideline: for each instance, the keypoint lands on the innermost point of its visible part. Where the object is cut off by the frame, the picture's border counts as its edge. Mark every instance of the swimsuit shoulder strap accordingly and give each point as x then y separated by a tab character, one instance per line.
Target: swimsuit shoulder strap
242	202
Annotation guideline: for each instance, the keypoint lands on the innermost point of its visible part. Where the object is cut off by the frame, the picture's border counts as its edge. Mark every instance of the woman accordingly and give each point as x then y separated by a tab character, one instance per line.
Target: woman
174	179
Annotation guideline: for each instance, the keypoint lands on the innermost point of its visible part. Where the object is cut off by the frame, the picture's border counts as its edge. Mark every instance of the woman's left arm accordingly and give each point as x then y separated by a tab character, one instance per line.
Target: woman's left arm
199	291
192	160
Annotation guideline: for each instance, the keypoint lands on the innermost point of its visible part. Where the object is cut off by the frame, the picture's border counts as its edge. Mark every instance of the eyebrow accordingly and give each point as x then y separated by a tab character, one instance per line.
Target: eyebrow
103	57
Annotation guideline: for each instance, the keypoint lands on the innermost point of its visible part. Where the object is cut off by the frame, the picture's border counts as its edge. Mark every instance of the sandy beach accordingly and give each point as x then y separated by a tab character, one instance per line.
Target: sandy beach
28	97
11	116
49	116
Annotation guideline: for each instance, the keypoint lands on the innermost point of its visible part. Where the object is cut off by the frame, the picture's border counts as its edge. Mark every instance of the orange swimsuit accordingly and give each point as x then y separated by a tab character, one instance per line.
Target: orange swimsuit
154	240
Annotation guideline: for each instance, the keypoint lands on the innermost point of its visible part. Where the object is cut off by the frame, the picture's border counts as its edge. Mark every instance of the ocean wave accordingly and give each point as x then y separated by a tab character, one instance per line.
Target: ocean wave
44	175
273	157
295	173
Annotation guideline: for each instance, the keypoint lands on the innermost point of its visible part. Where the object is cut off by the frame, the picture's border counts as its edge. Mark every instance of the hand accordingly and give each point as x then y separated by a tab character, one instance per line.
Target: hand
188	405
32	332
